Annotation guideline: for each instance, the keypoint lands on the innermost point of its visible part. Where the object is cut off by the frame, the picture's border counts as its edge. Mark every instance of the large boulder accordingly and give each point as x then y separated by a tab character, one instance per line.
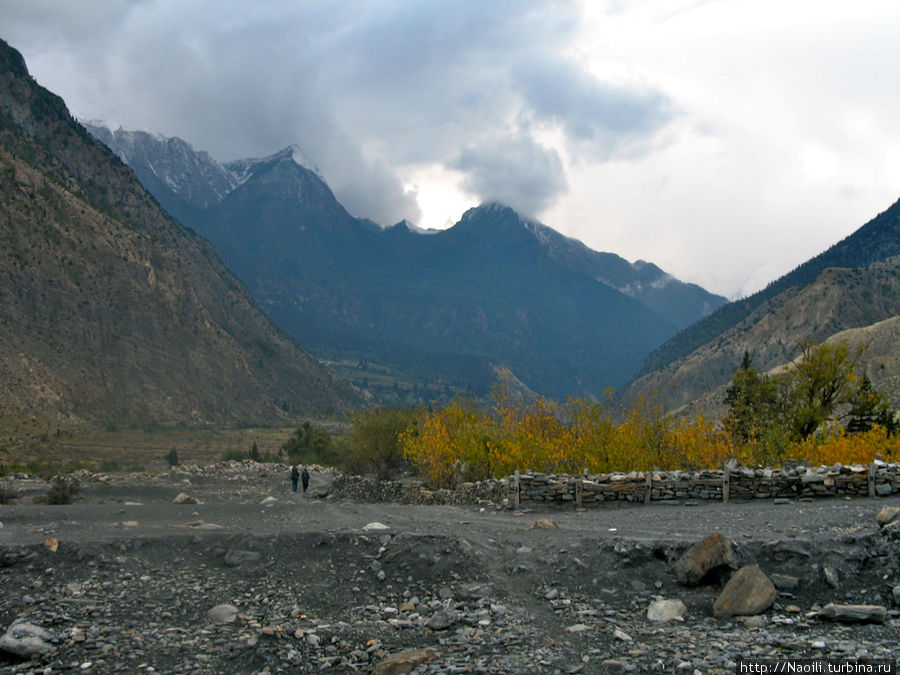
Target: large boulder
703	557
748	592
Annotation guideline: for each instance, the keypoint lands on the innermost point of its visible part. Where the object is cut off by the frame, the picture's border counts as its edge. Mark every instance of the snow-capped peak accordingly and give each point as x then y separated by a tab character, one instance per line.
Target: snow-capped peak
302	160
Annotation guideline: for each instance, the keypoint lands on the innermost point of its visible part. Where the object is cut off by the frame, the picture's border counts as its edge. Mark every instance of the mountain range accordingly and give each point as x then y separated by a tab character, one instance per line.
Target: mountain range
850	291
440	310
111	312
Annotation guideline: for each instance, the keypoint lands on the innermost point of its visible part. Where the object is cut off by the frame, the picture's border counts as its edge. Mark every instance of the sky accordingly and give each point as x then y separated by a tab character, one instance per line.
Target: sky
727	141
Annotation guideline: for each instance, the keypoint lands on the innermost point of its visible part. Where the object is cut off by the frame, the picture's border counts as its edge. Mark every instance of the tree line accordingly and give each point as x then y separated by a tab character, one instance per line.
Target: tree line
821	409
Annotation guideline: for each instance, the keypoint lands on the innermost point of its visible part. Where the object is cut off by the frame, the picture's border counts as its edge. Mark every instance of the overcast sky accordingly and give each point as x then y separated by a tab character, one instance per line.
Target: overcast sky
726	141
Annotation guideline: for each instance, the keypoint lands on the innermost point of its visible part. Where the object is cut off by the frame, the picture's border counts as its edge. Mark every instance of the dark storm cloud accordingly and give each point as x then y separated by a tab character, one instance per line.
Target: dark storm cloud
514	171
368	89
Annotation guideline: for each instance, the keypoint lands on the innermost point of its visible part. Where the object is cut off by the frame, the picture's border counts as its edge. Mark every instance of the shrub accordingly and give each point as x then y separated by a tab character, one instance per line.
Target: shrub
63	490
7	493
375	440
312	445
172	457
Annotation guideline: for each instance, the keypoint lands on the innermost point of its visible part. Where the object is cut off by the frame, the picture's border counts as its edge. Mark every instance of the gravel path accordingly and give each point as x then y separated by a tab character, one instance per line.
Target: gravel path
124	579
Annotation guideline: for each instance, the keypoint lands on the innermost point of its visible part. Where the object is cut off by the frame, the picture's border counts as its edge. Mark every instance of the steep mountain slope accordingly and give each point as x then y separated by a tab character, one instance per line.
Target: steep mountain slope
878	239
680	303
838	299
111	312
494	289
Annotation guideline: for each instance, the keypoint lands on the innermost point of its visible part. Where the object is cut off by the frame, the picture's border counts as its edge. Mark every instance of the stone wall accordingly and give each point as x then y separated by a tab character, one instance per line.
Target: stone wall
586	490
366	489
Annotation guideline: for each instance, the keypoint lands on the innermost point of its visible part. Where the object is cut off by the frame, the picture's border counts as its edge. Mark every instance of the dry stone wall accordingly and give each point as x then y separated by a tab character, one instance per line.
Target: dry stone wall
588	490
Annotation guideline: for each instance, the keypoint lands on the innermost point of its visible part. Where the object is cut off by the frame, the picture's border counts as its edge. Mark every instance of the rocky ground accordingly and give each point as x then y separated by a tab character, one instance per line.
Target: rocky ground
253	579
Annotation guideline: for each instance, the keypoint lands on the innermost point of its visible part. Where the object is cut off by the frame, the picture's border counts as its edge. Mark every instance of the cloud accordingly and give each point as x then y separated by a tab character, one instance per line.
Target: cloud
604	119
513	170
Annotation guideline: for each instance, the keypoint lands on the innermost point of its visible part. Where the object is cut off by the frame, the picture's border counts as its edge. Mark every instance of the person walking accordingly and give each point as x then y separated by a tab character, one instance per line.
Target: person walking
305	478
295	475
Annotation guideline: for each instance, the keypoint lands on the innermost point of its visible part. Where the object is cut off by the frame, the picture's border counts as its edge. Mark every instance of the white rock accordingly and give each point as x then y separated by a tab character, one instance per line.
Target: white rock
620	635
26	639
666	610
222	614
376	527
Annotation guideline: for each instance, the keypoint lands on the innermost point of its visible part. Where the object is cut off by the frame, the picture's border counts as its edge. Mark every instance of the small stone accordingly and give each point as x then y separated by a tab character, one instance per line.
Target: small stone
831	576
784	582
222	614
545	524
887	515
238	557
661	611
578	628
184	498
754	622
621	635
853	613
440	620
376	527
405	661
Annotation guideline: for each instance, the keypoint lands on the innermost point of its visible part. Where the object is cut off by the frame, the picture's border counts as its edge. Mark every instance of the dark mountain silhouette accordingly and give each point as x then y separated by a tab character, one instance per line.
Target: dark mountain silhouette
110	311
495	289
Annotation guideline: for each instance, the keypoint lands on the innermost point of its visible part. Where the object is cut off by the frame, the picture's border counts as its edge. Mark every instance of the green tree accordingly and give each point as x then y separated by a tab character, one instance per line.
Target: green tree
868	408
756	410
172	457
312	444
374	442
825	377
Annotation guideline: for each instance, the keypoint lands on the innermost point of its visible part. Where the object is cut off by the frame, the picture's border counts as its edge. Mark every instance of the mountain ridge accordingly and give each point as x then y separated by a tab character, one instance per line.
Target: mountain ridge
112	312
327	277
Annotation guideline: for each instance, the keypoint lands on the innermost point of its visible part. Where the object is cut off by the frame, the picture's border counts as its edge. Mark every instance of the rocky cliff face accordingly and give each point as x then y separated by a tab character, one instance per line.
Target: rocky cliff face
110	311
841	303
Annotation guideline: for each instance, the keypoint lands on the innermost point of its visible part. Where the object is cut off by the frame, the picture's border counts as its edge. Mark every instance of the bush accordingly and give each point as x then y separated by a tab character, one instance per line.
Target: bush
7	493
312	445
375	441
63	490
172	457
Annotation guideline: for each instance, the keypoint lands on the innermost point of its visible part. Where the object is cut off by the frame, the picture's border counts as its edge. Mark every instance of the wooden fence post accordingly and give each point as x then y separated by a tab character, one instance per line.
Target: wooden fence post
648	487
870	477
579	491
726	482
518	489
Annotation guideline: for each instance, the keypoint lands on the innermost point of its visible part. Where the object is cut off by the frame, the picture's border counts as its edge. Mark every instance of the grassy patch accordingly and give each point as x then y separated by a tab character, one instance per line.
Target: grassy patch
135	450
